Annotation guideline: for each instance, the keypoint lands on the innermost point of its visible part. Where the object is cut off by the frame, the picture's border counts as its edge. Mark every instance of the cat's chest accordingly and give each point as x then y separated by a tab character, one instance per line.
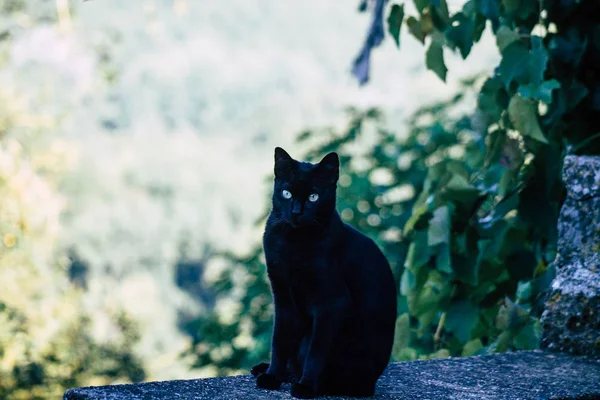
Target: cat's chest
296	251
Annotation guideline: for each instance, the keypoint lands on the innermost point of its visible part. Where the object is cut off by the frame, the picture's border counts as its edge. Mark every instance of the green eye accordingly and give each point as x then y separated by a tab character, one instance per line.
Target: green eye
286	194
313	197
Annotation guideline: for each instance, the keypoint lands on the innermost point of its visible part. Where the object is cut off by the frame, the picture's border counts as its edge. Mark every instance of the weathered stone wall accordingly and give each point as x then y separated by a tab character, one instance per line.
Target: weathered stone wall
523	375
571	319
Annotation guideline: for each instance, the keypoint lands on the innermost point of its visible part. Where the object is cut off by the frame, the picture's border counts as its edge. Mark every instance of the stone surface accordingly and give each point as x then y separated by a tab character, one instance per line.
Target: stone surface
571	319
526	375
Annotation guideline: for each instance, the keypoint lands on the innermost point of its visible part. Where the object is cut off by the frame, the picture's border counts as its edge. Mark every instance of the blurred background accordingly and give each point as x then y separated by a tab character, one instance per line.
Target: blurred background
136	150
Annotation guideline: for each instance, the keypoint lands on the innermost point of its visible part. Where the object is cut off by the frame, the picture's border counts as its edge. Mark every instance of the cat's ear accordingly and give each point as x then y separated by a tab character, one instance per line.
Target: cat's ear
283	162
330	166
281	155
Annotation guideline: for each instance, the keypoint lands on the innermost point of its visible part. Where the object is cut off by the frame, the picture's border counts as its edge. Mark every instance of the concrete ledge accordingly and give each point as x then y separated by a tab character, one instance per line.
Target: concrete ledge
526	375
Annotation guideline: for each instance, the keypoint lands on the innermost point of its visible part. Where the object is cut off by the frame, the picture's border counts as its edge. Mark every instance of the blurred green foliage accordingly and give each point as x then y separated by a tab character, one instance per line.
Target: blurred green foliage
47	341
464	205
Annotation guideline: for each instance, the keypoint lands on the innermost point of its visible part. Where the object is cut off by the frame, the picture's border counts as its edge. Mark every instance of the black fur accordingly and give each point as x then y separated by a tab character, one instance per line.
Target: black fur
334	294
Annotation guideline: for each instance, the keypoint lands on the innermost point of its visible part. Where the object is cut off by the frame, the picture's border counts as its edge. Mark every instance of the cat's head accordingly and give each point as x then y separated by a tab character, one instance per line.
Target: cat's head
304	193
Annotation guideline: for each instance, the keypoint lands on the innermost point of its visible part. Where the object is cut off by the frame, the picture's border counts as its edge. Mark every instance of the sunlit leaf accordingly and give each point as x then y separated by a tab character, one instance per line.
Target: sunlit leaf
523	116
511	316
472	347
439	227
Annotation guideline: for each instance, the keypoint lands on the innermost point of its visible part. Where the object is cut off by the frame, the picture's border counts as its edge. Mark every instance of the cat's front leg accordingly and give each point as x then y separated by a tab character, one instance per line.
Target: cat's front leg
327	320
285	340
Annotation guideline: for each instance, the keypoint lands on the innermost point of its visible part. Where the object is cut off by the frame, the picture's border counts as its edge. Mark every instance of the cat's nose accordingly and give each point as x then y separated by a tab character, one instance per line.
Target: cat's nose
296	209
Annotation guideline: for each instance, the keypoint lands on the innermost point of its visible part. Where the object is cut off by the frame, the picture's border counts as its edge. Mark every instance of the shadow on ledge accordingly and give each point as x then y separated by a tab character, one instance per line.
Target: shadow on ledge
526	375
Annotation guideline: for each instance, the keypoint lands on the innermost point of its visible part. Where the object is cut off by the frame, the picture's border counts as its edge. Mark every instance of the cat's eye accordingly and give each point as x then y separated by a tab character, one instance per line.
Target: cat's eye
313	197
286	194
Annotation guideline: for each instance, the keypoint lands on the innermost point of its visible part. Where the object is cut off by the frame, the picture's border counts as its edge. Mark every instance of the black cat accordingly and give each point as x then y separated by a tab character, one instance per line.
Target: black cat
335	297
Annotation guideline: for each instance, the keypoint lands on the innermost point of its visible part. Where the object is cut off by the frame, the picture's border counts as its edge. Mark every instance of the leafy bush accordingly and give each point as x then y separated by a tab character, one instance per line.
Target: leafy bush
46	339
48	342
502	211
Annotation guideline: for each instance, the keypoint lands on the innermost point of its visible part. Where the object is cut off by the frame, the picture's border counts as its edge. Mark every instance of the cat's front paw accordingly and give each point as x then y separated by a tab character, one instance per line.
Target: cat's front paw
259	369
303	391
268	381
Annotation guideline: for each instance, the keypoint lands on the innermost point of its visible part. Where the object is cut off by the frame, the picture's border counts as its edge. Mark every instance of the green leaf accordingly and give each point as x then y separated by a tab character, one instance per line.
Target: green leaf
460	190
490	10
472	347
505	36
434	59
434	290
465	257
439	227
540	269
407	354
541	92
416	29
418	252
395	22
440	16
460	33
520	8
461	318
524	291
511	316
541	283
514	65
408	282
511	5
479	24
442	258
491	98
529	337
523	116
418	220
500	345
441	353
495	144
402	332
505	205
520	65
421	5
538	61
